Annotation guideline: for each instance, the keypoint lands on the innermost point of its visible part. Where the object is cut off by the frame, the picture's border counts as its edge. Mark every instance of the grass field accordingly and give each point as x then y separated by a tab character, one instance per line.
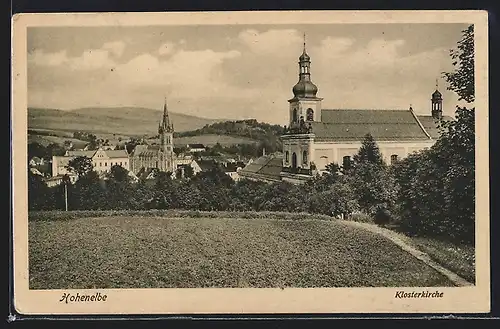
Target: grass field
46	140
161	252
457	258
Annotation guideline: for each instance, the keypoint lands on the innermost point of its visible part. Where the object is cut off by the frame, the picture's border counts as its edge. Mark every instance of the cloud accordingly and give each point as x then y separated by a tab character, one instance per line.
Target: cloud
115	47
186	73
166	49
39	57
92	60
272	42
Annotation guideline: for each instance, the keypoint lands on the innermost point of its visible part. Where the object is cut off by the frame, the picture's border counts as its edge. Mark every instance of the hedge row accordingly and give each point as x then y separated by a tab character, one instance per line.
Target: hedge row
56	215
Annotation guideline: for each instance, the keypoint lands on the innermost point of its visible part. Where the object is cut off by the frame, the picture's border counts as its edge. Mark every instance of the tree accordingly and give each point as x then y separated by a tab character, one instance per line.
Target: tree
39	194
88	193
188	172
119	174
80	165
54	149
437	186
369	152
36	150
165	191
339	199
119	188
369	177
461	81
68	144
131	144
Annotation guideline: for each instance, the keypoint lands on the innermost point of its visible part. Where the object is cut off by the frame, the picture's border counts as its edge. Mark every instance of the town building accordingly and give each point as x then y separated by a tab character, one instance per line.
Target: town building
266	168
196	148
102	160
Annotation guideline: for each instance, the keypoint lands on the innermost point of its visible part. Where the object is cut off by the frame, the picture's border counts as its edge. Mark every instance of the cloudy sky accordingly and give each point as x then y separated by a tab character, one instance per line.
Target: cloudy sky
239	71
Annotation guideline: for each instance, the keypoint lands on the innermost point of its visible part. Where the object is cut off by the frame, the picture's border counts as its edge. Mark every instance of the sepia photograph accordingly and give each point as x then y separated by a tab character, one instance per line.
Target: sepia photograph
267	156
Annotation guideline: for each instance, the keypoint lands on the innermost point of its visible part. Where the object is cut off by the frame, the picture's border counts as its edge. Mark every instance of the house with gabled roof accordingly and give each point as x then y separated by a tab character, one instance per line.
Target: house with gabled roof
102	160
266	168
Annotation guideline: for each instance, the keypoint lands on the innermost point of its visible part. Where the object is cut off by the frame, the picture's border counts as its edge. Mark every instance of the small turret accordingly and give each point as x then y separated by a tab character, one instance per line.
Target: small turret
437	103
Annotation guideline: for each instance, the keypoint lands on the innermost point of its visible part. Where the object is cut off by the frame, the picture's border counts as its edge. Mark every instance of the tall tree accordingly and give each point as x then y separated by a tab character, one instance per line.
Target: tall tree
369	177
461	80
119	188
369	152
437	186
80	165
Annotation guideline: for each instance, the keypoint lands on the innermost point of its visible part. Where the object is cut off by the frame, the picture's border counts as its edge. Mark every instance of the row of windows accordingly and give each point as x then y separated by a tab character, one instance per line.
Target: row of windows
346	160
111	164
309	115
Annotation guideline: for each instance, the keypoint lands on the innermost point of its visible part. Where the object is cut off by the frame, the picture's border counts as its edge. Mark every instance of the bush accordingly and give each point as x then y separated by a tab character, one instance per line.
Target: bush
361	217
382	216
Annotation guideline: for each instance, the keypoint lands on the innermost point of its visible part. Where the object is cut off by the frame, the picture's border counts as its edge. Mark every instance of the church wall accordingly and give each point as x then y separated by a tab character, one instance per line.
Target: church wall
298	146
325	153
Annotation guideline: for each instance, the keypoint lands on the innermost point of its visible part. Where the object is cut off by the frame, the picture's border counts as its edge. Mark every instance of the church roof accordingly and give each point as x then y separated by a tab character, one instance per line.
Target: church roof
353	125
144	150
430	124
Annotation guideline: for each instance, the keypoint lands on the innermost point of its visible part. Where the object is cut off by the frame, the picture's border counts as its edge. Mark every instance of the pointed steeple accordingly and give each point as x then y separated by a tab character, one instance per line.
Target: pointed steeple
165	125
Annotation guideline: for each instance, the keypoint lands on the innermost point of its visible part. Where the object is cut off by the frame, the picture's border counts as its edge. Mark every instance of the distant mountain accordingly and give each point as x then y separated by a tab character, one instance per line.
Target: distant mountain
130	121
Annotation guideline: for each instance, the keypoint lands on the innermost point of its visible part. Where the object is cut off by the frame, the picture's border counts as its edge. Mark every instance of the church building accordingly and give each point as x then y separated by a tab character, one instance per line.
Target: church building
162	156
316	137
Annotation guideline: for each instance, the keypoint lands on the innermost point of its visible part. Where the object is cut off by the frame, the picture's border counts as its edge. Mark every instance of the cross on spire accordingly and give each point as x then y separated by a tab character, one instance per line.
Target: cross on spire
436	84
304	41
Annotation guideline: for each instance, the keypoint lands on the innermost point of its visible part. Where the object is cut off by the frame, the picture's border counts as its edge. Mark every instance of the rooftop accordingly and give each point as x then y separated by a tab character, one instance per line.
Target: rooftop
266	167
383	125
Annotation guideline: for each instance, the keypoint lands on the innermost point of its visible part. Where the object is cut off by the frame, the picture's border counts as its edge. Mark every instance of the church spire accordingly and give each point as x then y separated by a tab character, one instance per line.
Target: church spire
305	88
166	119
165	125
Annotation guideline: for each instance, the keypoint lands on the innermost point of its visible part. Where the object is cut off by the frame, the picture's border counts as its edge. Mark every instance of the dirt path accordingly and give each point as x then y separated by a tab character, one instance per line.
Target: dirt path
404	243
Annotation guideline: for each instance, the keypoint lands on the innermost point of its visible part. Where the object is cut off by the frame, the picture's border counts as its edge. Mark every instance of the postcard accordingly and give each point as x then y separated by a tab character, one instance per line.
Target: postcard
265	162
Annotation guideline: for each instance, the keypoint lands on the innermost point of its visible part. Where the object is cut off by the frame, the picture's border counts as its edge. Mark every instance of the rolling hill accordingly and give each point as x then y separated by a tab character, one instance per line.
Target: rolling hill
130	121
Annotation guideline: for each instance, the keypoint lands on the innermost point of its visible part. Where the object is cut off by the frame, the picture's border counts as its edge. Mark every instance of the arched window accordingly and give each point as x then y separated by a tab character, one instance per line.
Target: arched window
304	158
394	158
294	115
310	114
346	162
287	157
294	160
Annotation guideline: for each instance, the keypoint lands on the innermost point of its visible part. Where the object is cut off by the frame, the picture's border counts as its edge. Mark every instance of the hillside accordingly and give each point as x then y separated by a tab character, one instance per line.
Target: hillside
267	134
118	120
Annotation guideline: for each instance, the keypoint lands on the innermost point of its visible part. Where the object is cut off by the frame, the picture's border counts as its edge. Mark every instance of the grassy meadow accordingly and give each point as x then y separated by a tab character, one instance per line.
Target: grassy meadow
152	251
